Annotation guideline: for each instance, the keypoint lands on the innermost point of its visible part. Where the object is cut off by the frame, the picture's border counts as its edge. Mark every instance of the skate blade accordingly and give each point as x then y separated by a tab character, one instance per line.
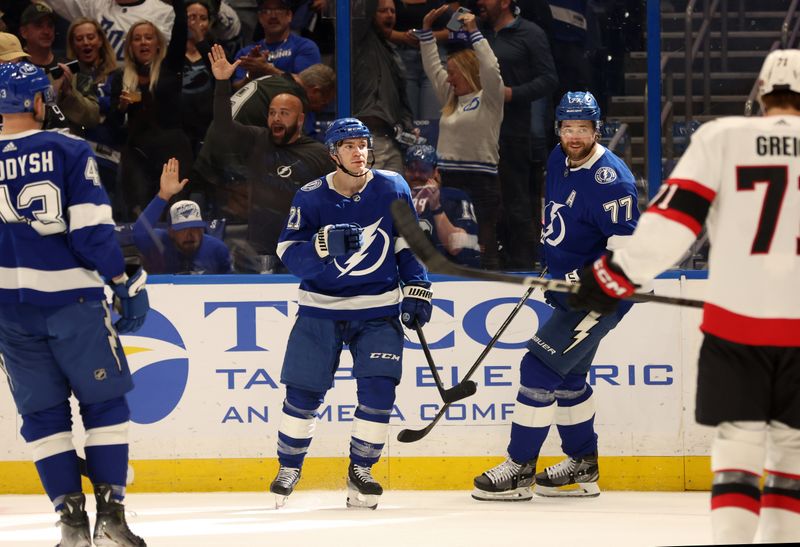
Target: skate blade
357	500
578	490
280	500
518	494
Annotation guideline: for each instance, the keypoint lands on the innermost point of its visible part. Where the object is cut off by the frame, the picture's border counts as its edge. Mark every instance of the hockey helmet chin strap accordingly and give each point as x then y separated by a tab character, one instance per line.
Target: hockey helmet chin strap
354	175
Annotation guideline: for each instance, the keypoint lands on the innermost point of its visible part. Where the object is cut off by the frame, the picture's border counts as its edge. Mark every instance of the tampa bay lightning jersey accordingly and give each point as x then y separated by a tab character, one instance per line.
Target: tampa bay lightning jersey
586	208
360	285
57	238
460	211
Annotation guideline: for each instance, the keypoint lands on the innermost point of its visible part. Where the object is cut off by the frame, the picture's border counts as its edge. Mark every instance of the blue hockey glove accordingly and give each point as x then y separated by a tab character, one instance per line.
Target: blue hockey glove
338	239
416	306
602	285
131	302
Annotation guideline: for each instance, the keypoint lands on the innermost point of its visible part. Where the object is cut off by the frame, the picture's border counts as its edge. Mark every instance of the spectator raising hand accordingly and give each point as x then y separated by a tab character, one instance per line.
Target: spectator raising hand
220	67
171	183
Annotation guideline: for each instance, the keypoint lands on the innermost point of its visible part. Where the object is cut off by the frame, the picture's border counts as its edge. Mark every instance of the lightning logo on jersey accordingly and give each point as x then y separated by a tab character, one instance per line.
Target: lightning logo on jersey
370	234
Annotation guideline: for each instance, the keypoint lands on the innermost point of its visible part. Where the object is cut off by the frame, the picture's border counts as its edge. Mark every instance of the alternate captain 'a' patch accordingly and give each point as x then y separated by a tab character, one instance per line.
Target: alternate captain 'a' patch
605	175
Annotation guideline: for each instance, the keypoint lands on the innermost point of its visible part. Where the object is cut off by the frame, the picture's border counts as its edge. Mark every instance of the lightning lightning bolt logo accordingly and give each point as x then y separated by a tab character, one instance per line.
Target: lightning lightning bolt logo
582	329
549	234
370	234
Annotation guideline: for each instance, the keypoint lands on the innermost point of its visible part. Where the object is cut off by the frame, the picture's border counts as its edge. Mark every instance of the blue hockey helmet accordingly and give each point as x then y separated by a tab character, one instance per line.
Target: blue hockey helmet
346	128
578	105
19	84
423	153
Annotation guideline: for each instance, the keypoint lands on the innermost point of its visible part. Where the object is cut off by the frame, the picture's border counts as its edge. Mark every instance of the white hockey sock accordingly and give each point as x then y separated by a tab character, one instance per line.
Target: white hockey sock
780	502
737	460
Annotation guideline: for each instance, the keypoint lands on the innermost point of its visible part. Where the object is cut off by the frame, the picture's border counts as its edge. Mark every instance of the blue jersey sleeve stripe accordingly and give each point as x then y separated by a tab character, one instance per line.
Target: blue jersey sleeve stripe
49	281
85	215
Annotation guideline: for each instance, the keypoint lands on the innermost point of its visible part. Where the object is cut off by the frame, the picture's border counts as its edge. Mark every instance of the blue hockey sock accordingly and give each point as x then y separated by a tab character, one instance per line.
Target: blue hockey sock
376	396
530	424
575	416
106	425
535	408
49	432
296	429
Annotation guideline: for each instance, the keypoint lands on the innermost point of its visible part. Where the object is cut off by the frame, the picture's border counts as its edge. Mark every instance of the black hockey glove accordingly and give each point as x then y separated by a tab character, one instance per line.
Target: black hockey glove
416	306
602	285
338	239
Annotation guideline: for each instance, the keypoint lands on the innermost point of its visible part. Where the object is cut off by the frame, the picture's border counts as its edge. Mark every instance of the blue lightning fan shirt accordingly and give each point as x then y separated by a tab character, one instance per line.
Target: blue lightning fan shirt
357	286
588	209
57	238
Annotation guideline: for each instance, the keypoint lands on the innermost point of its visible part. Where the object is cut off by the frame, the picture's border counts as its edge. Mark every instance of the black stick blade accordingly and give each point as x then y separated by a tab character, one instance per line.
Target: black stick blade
460	391
413	435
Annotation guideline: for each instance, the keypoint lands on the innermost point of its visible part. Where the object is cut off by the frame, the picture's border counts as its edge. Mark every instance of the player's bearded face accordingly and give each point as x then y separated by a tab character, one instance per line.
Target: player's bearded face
577	138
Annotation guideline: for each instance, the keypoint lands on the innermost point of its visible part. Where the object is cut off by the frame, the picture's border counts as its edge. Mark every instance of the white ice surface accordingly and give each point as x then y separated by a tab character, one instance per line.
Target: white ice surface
403	518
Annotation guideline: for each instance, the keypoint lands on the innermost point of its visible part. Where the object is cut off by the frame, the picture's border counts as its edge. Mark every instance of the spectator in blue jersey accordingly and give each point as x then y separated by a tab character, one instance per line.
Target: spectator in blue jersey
56	336
280	50
445	214
184	247
591	207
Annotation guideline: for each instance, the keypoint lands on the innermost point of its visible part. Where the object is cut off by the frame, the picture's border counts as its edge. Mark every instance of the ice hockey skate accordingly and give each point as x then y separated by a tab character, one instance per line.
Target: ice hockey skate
509	481
284	484
363	491
570	478
111	530
74	522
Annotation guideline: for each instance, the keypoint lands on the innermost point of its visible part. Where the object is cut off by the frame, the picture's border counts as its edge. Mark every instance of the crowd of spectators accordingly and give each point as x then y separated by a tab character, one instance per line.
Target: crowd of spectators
133	78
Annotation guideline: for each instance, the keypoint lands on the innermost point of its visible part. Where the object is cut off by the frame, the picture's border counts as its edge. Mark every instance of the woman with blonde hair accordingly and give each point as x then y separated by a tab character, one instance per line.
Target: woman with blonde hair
146	97
470	91
88	43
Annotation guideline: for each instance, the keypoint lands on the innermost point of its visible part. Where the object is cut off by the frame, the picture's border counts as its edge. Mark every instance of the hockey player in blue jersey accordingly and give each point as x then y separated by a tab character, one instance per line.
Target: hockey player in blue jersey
591	207
358	282
57	252
446	214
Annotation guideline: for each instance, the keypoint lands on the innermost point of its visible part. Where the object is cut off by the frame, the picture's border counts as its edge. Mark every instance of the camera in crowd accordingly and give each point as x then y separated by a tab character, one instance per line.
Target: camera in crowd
409	139
57	72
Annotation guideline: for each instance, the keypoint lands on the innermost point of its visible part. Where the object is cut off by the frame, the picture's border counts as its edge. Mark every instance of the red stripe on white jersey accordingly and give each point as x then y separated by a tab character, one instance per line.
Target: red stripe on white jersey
680	218
751	331
777	501
724	501
693	186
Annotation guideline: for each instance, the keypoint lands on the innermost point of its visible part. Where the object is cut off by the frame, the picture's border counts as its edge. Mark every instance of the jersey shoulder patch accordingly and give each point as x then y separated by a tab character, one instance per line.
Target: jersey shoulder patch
605	175
313	185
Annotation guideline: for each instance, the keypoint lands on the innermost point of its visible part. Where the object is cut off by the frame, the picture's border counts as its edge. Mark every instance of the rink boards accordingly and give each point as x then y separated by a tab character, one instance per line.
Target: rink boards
207	401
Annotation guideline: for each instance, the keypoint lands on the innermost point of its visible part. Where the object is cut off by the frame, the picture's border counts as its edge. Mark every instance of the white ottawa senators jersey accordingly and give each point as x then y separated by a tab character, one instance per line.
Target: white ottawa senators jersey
744	173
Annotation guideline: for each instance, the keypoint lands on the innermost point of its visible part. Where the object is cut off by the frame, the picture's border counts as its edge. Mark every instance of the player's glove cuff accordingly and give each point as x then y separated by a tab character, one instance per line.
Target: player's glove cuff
572	277
611	279
416	307
415	291
321	241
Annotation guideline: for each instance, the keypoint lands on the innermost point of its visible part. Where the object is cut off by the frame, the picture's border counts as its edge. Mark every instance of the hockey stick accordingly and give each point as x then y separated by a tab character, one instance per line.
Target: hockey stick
413	435
416	239
461	390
